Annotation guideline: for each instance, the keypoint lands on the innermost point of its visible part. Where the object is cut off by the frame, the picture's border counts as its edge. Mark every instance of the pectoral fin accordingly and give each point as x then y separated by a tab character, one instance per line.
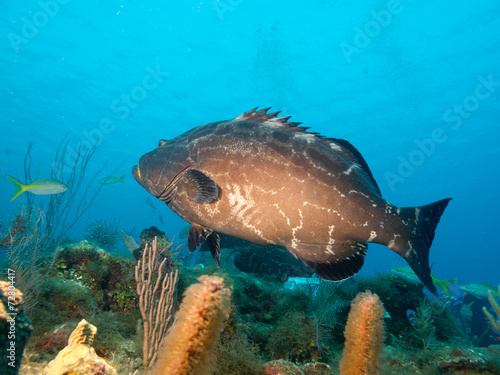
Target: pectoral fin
331	262
197	186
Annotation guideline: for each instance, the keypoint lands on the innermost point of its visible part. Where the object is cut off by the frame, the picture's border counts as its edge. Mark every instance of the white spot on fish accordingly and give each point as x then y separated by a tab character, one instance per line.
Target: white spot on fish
373	235
295	229
350	169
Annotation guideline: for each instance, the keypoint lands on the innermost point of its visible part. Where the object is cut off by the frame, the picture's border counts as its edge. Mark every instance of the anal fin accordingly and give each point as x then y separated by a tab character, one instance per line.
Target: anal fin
331	262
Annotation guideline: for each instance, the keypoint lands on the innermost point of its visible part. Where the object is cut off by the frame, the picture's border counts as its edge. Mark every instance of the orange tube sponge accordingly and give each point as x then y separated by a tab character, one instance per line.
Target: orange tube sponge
364	335
188	346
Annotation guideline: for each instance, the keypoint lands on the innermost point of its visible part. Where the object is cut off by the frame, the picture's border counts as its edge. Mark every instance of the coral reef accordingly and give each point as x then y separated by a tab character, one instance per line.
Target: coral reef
16	231
149	235
103	234
109	278
288	342
15	327
236	355
281	367
54	341
85	281
188	347
364	334
79	357
424	329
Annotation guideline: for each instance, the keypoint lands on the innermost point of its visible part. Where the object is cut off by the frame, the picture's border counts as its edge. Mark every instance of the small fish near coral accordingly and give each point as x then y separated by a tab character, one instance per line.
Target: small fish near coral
479	289
112	180
406	273
263	179
46	186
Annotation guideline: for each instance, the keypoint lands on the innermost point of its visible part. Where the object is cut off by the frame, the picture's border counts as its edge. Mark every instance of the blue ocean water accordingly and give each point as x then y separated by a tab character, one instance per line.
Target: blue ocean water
414	86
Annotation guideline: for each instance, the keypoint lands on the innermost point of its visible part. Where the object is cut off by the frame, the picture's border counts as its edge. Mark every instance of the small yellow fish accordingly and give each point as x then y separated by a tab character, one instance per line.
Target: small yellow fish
111	180
47	186
479	290
406	273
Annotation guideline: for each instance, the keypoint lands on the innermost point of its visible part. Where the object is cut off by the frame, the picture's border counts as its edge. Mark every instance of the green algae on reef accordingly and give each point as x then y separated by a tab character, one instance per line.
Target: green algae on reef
86	282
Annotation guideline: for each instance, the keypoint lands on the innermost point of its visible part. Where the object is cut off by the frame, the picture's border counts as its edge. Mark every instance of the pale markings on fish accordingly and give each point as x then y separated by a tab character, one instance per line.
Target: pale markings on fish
269	192
331	241
358	192
295	229
315	206
212	209
373	235
410	250
335	147
338	191
417	216
257	231
240	202
282	213
350	169
292	177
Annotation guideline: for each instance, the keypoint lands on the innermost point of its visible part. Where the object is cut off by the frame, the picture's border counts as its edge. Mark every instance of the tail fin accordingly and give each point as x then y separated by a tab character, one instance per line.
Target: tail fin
20	188
444	285
421	223
121	179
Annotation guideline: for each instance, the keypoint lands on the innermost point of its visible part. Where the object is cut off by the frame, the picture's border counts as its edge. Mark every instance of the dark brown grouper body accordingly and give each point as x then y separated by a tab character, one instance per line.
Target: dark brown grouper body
268	181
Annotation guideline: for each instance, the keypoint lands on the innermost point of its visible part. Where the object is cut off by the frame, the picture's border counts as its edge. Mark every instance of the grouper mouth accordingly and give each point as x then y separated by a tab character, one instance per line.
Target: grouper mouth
136	172
145	183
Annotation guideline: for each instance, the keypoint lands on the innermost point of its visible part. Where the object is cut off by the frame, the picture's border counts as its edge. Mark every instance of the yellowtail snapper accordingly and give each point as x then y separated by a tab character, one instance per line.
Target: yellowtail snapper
111	180
479	290
406	273
150	204
46	186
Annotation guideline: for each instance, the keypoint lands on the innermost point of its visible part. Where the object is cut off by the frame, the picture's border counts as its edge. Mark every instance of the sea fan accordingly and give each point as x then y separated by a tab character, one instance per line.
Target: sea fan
103	234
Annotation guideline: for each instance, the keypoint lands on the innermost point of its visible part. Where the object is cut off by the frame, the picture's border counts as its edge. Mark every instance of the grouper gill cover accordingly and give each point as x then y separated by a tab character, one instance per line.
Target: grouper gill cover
263	179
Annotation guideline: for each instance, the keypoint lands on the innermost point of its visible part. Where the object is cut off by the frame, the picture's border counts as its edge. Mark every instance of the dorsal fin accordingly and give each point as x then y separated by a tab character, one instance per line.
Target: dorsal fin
354	156
339	145
261	116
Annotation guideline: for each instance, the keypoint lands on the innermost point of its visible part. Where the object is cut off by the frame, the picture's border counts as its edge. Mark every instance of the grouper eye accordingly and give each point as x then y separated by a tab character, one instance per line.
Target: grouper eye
161	143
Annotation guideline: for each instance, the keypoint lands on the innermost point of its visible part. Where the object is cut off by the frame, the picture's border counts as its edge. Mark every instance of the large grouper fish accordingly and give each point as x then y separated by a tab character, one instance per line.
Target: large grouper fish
263	179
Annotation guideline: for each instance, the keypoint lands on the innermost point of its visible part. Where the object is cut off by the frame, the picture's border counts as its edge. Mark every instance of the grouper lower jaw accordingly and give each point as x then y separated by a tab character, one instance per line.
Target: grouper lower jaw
136	172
